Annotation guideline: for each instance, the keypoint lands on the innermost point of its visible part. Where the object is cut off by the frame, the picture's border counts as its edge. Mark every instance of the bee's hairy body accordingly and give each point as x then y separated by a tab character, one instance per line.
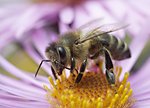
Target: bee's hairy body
116	47
73	49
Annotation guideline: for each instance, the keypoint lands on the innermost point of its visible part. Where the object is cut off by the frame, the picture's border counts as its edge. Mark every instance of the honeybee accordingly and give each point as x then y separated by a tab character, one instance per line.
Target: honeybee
76	47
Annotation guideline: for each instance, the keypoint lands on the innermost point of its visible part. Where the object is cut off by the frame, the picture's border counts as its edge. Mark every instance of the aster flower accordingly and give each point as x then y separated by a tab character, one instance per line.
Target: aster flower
26	91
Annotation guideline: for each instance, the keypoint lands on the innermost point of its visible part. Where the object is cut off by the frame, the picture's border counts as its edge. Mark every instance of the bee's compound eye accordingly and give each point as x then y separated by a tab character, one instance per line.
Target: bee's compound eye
62	52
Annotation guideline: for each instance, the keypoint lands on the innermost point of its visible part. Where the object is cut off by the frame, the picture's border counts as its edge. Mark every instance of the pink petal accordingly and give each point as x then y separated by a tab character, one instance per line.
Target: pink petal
17	72
22	104
33	54
137	79
136	47
67	15
63	28
20	85
25	21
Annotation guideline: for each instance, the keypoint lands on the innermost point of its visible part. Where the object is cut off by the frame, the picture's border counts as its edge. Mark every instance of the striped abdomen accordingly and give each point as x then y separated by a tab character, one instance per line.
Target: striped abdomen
118	48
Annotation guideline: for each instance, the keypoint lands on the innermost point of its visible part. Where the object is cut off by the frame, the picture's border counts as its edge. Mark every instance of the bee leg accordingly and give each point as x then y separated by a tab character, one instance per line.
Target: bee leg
109	68
72	65
82	69
54	73
94	55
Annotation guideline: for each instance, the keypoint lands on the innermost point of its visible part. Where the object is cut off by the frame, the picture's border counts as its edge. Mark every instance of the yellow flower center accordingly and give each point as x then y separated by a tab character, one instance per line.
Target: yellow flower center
92	92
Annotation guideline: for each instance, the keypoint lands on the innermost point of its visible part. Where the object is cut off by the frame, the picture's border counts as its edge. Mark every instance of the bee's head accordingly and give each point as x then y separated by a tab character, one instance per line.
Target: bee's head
57	54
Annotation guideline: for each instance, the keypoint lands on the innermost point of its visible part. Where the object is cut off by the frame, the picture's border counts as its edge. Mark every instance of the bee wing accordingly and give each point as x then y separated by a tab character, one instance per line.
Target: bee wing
92	24
88	27
100	30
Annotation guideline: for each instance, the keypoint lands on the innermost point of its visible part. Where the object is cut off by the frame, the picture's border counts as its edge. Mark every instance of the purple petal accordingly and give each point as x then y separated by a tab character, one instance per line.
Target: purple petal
20	85
137	45
67	15
23	22
37	59
27	22
95	10
22	104
23	94
142	104
81	17
17	72
140	7
40	78
143	96
88	12
41	41
137	79
131	12
63	28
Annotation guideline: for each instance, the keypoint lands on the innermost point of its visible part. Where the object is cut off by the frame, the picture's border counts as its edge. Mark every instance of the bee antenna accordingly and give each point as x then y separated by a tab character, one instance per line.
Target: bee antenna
41	65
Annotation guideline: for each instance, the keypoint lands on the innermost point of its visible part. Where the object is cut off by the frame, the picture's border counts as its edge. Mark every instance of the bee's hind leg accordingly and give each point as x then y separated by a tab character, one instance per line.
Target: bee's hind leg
109	68
82	69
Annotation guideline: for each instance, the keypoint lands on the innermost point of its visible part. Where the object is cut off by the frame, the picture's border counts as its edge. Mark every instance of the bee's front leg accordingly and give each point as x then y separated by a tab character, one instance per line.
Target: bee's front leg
54	73
109	68
72	64
82	69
